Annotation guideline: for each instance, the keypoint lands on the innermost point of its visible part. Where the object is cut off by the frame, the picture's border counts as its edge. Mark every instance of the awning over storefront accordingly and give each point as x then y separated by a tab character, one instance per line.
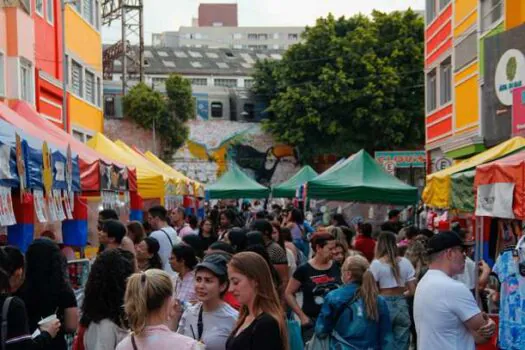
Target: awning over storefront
437	189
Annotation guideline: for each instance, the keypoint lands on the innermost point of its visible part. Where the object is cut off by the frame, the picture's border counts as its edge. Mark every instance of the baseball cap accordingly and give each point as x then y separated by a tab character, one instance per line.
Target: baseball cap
446	240
216	263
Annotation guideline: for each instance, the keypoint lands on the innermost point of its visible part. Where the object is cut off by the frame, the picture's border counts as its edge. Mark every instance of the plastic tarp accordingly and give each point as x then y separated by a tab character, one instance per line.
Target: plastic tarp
510	170
437	189
289	188
235	184
198	187
32	142
361	179
150	181
462	194
88	158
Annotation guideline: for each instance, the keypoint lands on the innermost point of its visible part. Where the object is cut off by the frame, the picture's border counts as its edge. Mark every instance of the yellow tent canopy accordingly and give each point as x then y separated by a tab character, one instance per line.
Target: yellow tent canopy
198	187
437	189
150	181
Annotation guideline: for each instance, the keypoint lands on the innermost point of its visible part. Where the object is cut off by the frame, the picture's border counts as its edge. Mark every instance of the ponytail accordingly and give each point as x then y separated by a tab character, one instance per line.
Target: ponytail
146	292
369	292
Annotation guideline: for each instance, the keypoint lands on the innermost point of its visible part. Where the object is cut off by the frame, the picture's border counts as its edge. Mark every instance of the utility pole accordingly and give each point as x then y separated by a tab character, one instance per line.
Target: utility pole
154	127
65	63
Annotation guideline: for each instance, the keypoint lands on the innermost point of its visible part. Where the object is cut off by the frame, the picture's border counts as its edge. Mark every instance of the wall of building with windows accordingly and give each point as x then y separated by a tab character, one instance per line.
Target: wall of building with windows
84	61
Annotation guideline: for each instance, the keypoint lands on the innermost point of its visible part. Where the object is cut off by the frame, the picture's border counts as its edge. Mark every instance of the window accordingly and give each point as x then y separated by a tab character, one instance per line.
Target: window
443	4
431	91
99	92
248	111
67	69
162	53
90	87
248	83
97	14
252	36
169	64
466	51
49	11
262	36
76	78
180	54
276	36
237	47
199	81
158	81
78	5
88	11
491	13
148	54
39	7
225	82
222	65
195	54
26	81
2	74
293	36
445	83
261	56
237	36
78	135
276	56
216	109
431	10
196	64
212	55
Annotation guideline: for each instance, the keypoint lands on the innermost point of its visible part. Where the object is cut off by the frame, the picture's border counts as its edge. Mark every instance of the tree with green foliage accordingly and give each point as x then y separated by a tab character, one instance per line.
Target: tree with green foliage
146	107
351	83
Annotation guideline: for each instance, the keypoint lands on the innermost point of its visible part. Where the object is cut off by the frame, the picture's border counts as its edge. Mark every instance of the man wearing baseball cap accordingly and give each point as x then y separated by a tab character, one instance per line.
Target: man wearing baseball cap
445	311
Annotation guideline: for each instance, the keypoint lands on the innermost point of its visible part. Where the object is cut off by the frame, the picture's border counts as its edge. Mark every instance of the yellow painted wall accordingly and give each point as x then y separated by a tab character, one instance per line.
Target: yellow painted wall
465	73
82	40
462	27
462	8
514	13
466	106
84	115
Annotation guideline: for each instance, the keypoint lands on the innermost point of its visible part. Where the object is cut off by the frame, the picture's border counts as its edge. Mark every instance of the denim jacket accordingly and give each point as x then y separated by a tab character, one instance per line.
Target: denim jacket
353	326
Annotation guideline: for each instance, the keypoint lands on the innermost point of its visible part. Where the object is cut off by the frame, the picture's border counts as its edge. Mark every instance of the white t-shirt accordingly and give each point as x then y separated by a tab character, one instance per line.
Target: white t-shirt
468	277
441	307
384	275
165	245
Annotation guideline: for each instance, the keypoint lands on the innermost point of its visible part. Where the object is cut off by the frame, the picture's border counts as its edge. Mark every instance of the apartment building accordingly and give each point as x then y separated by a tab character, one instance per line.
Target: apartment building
464	114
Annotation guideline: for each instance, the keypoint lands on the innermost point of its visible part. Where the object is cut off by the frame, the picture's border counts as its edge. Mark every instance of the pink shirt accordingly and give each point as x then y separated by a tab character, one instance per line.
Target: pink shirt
185	231
159	338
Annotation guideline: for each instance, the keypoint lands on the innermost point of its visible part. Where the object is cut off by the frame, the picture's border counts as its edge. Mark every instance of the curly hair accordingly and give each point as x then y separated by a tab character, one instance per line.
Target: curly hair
106	286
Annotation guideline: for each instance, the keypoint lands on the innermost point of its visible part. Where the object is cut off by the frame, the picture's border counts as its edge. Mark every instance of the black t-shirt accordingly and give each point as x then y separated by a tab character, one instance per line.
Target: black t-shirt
315	284
262	334
64	300
18	335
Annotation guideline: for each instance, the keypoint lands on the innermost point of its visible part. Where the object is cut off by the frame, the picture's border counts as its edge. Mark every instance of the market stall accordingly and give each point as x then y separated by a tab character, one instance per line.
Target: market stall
361	179
438	187
288	189
235	184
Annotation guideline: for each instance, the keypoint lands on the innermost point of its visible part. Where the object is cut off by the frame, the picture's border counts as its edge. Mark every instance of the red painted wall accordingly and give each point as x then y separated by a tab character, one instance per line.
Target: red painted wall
48	41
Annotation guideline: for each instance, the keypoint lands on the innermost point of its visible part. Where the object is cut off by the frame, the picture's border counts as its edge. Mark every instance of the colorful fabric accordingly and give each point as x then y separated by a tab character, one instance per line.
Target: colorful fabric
185	287
512	303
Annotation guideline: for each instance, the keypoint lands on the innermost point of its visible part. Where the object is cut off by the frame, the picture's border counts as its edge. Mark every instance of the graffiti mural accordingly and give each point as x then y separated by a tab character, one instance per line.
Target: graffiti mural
211	143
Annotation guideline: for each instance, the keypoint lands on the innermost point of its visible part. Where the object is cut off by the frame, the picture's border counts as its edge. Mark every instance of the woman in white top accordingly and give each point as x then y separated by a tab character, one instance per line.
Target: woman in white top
211	320
149	305
396	279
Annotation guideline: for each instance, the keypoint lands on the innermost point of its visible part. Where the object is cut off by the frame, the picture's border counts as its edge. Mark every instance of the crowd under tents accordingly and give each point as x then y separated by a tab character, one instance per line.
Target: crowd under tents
288	189
361	179
235	184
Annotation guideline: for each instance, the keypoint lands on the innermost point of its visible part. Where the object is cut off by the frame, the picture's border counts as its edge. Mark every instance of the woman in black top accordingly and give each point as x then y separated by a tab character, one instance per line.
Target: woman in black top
261	324
46	290
18	336
207	233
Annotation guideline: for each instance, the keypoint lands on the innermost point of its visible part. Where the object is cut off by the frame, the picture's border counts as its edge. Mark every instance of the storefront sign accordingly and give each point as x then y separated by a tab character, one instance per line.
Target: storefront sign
510	74
495	200
401	159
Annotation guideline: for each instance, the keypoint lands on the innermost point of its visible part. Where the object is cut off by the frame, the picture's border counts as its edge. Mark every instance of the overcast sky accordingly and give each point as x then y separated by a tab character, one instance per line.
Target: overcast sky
169	15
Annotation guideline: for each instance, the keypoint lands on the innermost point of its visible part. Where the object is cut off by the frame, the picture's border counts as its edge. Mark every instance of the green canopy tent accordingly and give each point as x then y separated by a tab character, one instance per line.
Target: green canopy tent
361	179
462	194
288	188
236	184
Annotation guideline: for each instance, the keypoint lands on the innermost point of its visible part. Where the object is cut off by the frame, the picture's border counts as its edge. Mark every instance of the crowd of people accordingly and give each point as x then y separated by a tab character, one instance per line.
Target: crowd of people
239	280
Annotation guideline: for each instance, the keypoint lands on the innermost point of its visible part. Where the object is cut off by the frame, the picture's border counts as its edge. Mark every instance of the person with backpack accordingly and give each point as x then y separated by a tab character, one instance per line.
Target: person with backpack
355	316
164	234
14	330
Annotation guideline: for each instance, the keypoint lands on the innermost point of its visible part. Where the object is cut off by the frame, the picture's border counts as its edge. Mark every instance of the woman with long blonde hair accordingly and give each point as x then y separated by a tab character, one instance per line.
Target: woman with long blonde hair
148	305
355	315
396	279
261	324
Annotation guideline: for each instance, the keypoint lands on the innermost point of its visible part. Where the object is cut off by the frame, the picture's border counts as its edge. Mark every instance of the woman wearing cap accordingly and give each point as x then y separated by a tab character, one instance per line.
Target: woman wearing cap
147	252
148	305
396	279
211	320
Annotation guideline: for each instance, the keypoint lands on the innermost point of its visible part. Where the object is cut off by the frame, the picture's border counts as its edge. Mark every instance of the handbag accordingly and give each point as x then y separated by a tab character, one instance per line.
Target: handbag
317	343
295	339
5	311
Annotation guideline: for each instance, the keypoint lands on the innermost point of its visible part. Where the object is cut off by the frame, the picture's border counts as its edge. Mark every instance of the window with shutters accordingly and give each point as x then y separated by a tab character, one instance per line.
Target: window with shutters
491	14
90	87
99	93
225	82
39	7
76	78
88	11
431	91
445	83
430	10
